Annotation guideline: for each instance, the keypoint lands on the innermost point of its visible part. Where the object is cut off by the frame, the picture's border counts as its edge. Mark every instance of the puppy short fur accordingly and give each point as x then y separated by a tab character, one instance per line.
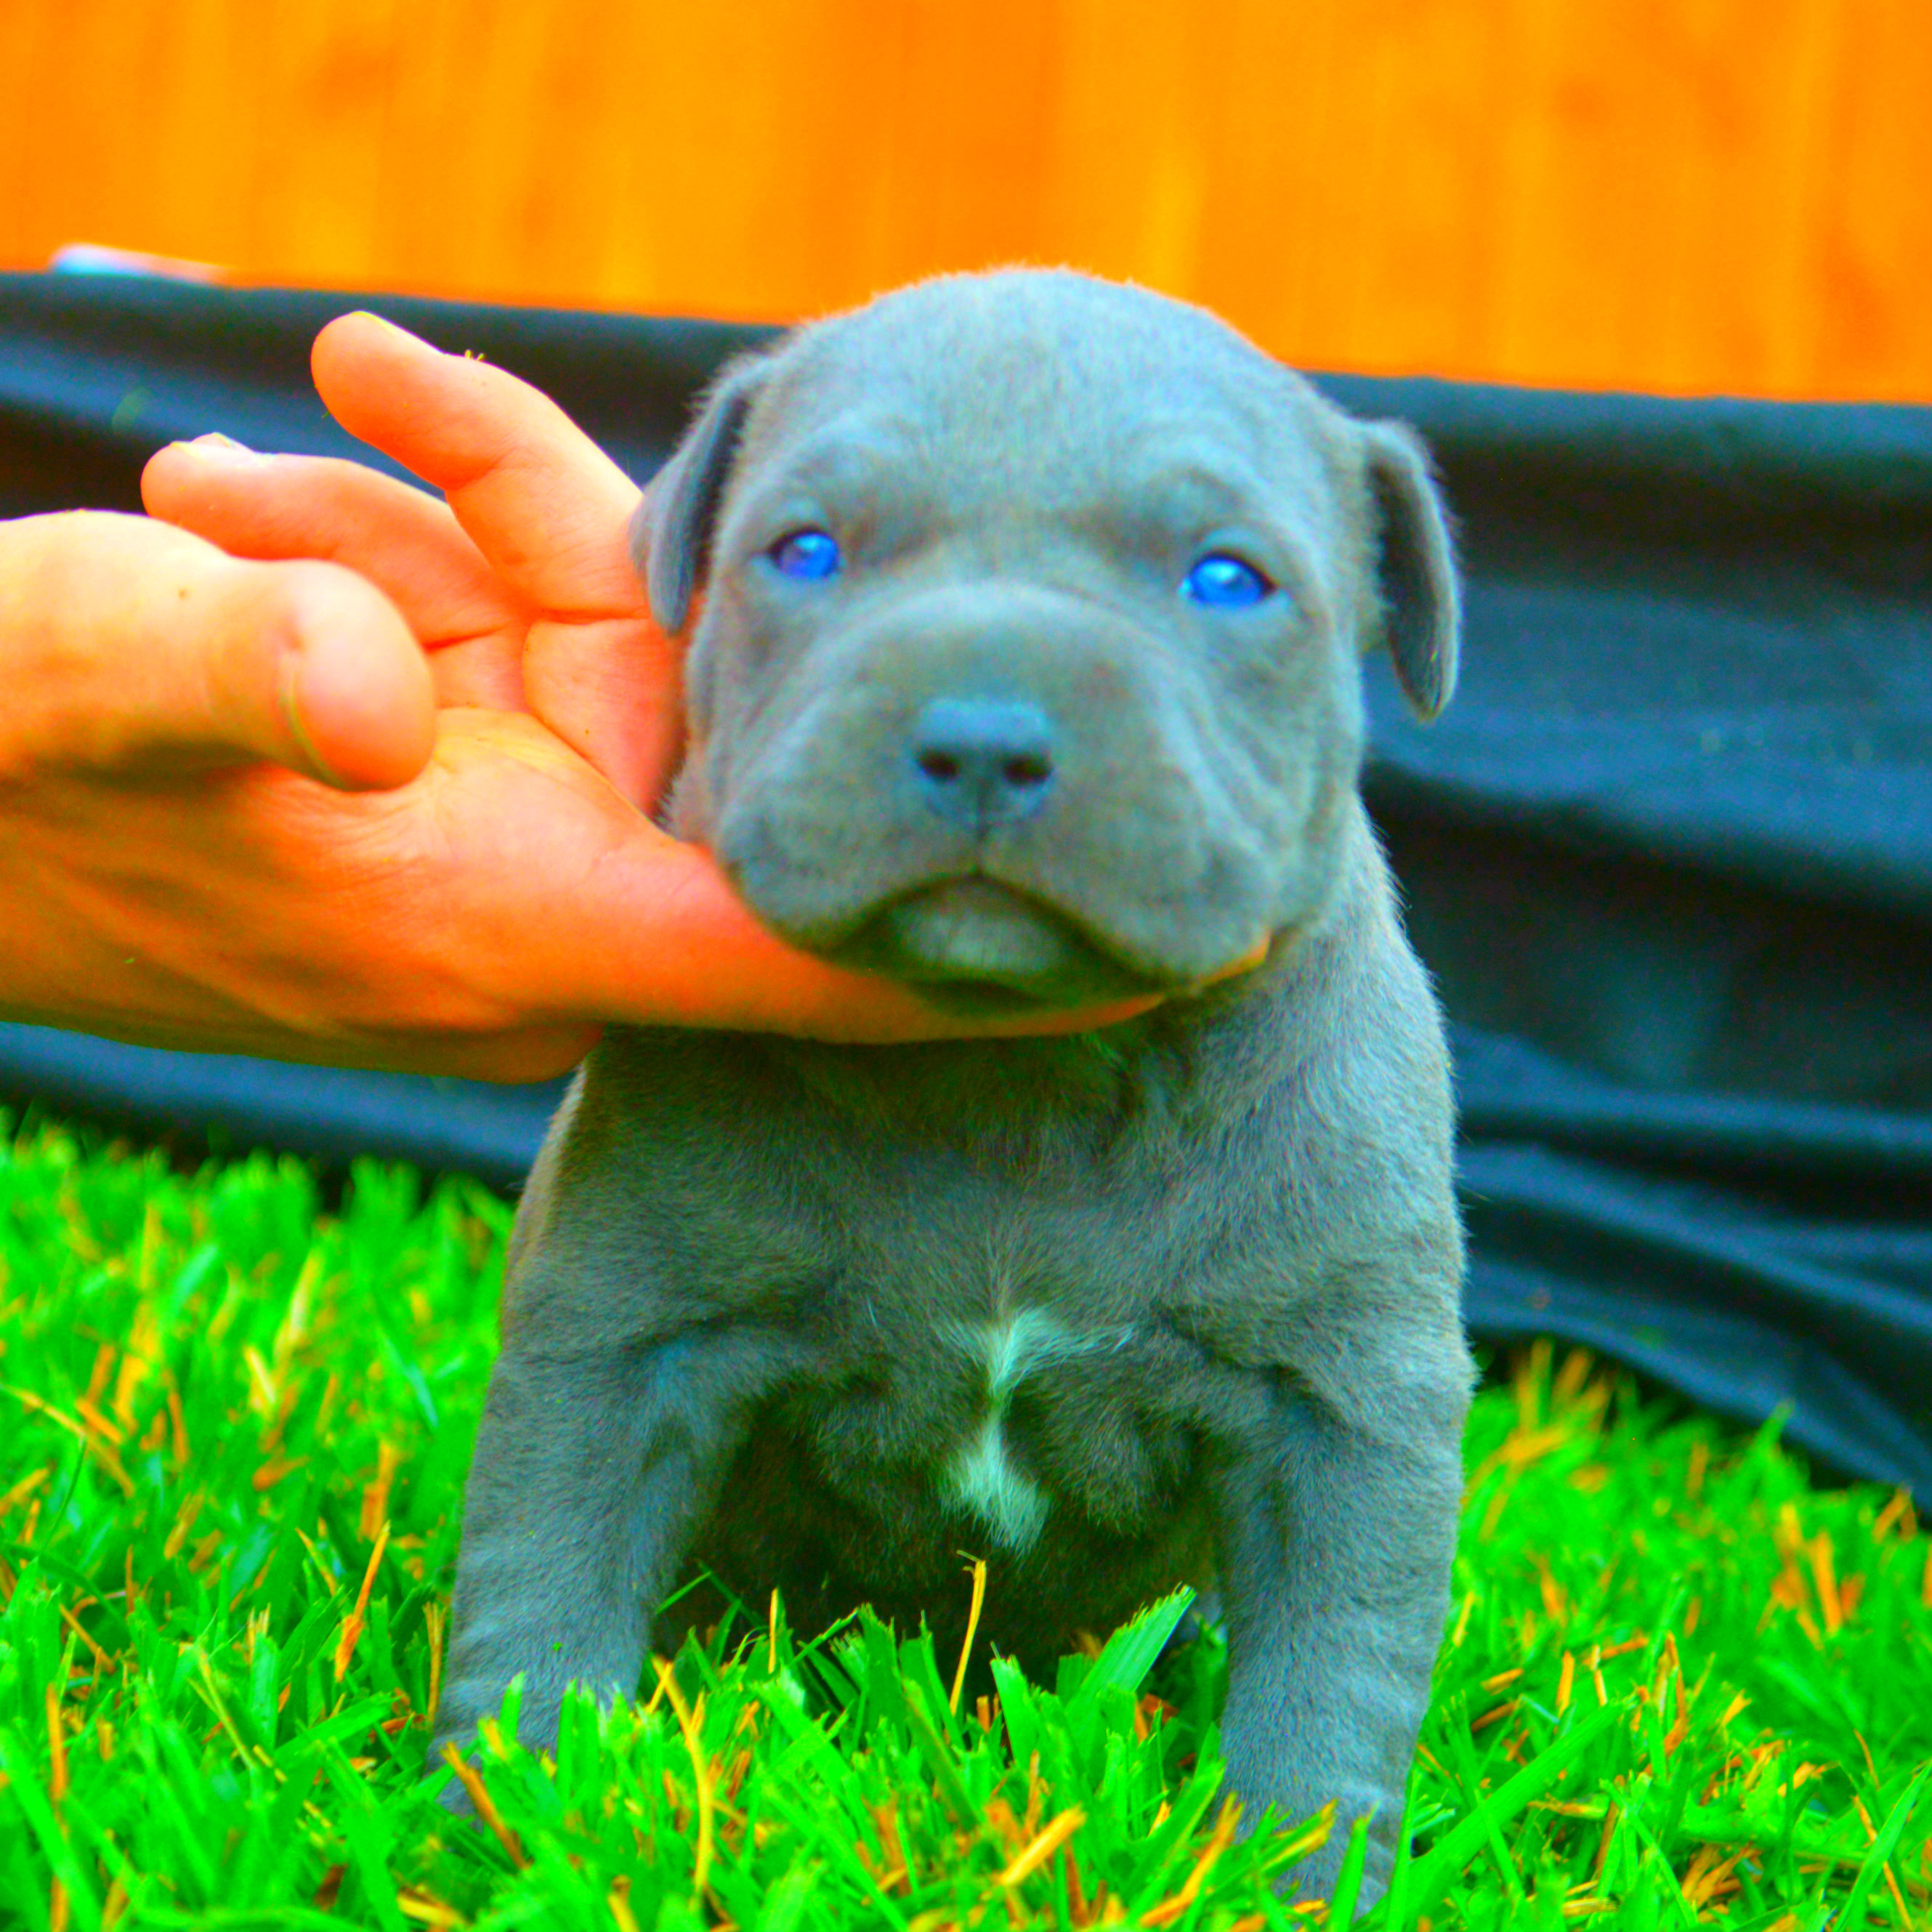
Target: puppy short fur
1178	1299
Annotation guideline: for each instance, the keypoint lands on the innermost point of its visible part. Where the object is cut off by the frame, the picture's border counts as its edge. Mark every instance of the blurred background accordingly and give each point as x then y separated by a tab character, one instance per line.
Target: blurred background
1688	196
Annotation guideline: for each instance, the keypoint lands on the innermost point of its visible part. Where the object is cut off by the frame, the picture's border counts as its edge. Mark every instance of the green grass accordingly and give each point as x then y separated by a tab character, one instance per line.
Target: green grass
1681	1683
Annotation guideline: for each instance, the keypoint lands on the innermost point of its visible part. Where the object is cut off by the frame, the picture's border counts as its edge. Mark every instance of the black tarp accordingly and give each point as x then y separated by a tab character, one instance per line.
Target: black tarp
1670	855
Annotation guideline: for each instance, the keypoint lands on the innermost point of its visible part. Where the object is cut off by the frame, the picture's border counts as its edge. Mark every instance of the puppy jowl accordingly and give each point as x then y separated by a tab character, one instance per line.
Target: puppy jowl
1028	674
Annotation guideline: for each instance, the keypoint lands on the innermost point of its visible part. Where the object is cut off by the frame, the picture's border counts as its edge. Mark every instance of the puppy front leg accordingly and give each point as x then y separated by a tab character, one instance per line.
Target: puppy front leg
1335	1551
590	1473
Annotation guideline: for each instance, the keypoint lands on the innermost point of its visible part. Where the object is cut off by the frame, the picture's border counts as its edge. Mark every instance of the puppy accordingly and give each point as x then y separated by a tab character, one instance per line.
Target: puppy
1029	674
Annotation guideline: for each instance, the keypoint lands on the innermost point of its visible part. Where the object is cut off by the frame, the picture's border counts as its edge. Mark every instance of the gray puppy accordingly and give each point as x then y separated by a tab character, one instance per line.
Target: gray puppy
1028	674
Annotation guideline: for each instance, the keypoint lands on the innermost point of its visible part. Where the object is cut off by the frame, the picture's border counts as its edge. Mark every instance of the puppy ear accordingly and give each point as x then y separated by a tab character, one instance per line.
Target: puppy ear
671	528
1415	568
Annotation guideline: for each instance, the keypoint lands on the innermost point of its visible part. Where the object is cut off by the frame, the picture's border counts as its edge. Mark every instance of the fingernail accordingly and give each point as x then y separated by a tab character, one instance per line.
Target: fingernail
394	327
215	443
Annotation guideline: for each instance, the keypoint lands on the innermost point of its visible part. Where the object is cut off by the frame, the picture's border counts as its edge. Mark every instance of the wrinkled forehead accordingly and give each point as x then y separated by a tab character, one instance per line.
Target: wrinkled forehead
1036	393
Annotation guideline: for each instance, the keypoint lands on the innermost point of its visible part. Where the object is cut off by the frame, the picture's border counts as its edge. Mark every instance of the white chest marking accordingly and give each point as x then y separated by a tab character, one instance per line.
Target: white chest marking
981	1476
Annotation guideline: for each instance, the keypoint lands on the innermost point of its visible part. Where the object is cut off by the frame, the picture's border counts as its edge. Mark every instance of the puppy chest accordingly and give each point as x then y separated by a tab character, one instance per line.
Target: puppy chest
1003	1421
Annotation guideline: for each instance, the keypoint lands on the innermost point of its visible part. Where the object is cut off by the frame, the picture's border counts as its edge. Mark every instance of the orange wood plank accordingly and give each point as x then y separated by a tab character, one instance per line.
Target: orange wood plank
1676	194
1871	293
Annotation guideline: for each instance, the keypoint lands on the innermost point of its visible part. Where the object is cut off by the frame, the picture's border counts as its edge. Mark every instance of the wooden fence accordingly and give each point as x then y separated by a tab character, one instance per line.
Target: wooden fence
1676	195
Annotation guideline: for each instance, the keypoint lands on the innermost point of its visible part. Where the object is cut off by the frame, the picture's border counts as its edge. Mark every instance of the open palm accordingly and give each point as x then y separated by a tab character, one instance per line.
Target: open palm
487	913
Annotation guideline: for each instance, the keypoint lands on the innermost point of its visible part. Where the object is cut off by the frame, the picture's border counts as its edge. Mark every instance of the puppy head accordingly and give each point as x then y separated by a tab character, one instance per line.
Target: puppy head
1028	667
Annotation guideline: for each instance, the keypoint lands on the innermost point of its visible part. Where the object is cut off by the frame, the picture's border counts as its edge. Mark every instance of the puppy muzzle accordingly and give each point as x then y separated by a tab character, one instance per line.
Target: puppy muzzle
1005	795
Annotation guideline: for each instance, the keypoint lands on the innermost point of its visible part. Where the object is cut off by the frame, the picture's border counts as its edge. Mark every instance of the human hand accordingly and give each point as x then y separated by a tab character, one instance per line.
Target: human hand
470	886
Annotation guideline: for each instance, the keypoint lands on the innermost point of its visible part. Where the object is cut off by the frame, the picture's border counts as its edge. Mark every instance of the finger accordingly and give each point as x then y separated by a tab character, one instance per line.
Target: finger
137	648
405	542
548	508
657	936
1257	954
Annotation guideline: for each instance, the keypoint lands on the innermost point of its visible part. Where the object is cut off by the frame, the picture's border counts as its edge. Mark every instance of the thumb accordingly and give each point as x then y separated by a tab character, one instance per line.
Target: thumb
133	647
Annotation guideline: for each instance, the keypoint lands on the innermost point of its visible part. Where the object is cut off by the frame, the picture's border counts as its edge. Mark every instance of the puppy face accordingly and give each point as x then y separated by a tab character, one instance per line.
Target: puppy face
1028	665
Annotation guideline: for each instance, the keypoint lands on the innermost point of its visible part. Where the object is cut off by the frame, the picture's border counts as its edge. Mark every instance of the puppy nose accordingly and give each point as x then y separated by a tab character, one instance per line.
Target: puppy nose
982	762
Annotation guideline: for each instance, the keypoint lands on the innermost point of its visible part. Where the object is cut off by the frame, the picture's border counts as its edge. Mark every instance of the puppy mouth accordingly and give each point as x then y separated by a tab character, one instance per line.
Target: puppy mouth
973	945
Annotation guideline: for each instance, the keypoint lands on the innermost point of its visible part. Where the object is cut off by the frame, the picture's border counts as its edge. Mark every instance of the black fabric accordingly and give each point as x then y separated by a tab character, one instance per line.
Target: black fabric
1669	854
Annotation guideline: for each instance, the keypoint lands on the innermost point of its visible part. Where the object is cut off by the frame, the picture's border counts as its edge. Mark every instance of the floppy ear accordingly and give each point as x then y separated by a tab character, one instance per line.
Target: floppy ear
1415	568
671	528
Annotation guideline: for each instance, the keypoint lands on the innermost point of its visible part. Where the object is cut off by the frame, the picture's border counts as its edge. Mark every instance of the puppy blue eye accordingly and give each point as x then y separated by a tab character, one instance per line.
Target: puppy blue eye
811	555
1225	582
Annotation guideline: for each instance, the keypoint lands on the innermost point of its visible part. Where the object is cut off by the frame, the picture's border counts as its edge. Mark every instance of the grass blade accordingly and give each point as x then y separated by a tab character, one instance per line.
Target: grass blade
1430	1873
1883	1846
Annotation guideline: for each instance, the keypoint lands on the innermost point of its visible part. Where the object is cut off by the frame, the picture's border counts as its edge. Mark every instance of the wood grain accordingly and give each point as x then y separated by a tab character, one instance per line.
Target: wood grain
1677	195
